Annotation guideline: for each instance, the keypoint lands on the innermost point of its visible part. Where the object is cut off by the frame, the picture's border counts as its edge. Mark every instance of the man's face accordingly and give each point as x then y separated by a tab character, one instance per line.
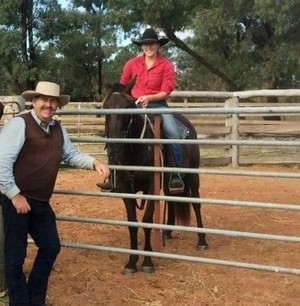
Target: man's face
45	107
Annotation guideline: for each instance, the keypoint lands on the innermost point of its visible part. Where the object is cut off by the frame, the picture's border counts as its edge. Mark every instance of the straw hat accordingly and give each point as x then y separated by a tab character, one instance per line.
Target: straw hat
46	89
149	37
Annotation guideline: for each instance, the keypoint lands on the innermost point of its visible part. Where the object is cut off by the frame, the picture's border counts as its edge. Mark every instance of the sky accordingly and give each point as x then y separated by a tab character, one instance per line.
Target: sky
181	35
64	3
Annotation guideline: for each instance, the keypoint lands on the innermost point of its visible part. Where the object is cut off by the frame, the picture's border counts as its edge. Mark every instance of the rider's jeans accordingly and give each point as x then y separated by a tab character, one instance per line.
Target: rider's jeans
170	131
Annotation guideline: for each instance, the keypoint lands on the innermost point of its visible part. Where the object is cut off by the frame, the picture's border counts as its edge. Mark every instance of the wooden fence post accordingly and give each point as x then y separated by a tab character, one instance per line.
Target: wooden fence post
233	123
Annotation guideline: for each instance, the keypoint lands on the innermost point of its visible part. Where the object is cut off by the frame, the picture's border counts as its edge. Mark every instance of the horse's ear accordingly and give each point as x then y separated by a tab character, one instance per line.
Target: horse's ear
129	86
106	84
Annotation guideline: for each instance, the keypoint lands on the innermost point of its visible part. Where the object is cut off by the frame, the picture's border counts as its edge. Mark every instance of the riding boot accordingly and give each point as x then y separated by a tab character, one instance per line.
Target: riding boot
176	184
107	185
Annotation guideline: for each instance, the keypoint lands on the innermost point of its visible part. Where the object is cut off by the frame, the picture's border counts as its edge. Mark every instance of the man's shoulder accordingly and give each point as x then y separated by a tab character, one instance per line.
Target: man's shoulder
24	113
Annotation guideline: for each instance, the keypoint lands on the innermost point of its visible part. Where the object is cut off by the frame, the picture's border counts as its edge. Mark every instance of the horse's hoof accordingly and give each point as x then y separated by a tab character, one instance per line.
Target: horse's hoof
202	247
128	271
148	269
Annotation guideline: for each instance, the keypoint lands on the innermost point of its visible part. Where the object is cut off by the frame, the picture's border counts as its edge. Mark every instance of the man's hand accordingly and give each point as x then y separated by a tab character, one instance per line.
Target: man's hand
102	169
21	205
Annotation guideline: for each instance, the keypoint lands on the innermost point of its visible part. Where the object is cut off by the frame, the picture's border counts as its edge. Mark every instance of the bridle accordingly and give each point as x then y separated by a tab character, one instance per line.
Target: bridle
129	125
127	132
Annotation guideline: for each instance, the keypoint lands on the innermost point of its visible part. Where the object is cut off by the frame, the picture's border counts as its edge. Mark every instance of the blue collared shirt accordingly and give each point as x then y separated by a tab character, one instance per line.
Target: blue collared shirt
12	138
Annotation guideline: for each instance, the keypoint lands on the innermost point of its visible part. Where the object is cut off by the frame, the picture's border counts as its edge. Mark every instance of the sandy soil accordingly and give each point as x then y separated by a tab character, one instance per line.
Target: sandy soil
86	277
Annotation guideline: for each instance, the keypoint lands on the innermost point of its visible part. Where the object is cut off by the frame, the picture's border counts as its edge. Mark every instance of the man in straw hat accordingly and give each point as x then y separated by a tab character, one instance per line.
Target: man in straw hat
33	145
155	80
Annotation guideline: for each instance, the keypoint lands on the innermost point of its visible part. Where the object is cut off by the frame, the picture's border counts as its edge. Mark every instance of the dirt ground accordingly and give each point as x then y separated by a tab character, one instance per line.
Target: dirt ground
87	277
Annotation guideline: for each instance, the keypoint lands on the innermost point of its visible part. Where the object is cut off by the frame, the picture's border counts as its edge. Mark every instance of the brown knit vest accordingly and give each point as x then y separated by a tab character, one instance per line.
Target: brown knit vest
36	167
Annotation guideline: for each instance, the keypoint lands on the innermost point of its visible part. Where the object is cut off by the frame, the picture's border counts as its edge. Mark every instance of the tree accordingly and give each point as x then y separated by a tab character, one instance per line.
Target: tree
233	45
215	45
84	40
171	17
249	41
20	42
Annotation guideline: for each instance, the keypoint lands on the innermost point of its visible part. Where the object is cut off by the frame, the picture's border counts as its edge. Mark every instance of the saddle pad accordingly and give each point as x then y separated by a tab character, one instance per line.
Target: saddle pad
183	130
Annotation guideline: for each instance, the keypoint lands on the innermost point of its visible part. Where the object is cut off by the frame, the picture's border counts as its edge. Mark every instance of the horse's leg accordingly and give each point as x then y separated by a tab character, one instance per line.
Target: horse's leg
202	244
170	207
194	188
147	265
131	267
170	219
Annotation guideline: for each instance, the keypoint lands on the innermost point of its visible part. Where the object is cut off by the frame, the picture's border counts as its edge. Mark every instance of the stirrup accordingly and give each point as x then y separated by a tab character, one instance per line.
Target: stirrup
176	184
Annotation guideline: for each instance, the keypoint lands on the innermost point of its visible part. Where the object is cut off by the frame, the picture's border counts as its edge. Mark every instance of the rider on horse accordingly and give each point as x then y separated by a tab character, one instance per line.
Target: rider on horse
155	80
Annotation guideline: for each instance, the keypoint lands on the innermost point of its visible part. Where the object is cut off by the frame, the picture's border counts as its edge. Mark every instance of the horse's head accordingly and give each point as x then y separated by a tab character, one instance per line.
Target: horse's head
118	125
118	97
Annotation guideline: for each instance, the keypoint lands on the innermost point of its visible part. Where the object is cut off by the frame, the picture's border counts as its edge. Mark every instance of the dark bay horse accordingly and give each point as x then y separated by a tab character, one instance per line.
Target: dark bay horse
141	154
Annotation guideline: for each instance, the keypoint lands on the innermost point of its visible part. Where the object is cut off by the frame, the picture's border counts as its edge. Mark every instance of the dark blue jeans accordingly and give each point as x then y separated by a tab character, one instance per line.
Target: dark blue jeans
40	223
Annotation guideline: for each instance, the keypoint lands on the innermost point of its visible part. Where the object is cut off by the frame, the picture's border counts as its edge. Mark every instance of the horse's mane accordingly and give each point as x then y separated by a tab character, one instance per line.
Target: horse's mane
117	87
122	91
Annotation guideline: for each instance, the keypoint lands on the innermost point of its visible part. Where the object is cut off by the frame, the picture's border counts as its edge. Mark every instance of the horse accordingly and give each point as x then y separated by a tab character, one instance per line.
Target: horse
141	154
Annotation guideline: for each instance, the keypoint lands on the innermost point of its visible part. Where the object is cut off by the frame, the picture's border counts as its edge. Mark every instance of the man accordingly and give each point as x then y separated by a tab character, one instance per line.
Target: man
33	145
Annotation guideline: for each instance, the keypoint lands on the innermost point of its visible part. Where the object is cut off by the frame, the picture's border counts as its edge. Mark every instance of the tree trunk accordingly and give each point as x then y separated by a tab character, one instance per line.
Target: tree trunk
27	46
273	100
31	50
100	66
232	86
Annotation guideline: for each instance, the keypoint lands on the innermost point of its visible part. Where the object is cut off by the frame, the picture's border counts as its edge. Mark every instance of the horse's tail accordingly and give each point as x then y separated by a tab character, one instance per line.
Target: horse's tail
182	213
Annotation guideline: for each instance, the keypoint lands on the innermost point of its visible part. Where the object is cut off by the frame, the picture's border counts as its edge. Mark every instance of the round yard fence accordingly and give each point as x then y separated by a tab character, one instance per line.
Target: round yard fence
236	135
234	171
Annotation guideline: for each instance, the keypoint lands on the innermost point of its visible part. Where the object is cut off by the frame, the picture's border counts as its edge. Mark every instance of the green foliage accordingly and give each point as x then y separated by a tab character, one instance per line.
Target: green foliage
234	44
248	41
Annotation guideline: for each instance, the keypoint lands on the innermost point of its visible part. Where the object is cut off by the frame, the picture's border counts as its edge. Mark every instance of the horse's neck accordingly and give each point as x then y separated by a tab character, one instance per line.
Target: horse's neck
143	127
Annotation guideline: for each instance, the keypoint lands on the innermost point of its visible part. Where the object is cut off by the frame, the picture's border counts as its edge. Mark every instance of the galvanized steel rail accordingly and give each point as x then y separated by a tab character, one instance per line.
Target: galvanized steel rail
200	111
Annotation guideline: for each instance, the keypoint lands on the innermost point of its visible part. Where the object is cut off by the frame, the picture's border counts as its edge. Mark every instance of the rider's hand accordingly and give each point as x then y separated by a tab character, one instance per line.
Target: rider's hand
143	101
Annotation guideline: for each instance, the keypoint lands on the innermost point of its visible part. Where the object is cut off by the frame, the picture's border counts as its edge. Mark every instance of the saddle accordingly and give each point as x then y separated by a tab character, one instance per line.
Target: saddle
183	126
